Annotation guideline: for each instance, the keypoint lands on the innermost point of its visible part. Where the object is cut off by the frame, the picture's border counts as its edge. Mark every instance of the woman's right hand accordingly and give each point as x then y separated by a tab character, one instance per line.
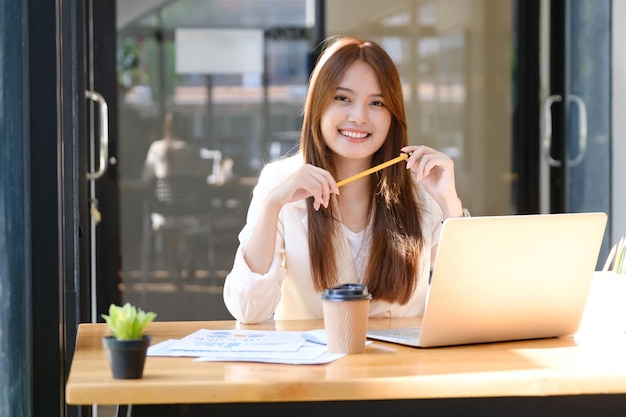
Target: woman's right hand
307	181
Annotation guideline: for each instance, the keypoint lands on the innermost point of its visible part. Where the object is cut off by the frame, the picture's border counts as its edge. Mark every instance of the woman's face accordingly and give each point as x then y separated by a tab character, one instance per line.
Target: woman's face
356	121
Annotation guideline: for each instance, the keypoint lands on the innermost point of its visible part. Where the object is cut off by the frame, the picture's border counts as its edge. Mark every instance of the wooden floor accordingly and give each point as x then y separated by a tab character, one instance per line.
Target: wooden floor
183	298
200	299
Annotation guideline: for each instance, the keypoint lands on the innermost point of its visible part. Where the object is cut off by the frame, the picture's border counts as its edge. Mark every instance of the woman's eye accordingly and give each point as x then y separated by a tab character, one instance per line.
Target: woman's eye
341	98
378	104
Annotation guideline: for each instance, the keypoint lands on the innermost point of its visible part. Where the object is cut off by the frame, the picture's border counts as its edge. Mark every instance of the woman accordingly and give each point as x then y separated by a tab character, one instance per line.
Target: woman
173	155
305	234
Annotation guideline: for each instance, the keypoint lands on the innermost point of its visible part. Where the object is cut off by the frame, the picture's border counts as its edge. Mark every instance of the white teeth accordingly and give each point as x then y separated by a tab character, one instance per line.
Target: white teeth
354	135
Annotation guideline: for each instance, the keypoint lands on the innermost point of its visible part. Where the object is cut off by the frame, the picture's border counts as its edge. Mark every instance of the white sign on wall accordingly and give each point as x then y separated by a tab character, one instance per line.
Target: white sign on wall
219	51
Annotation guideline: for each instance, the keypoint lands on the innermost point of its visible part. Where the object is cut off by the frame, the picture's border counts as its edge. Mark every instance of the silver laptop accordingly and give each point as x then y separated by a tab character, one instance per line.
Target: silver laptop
502	278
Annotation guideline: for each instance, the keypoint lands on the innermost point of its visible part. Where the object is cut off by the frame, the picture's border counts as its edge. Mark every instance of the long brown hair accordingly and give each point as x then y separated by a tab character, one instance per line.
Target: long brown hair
392	270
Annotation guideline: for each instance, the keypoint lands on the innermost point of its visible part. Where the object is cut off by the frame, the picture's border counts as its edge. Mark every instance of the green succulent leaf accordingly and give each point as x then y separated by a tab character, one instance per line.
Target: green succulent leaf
127	322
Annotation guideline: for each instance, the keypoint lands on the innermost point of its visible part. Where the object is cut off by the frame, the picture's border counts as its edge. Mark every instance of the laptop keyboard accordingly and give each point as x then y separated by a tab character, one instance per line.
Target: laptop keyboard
406	332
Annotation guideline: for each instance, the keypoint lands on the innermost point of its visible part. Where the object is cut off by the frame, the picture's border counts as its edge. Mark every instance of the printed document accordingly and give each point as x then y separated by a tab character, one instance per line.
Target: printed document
287	347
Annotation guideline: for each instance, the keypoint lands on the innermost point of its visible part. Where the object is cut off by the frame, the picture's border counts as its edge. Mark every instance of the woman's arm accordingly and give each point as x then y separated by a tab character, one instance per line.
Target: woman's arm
252	289
307	181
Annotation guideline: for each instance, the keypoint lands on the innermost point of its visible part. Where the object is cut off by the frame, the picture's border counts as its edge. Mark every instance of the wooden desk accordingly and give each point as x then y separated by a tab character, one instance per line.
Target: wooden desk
590	362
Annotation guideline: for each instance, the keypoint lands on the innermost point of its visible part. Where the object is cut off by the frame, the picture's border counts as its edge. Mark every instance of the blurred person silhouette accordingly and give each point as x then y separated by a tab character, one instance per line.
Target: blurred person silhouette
173	154
178	178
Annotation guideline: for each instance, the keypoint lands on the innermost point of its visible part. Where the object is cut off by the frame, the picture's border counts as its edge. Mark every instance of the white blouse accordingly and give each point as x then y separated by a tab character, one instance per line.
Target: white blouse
286	291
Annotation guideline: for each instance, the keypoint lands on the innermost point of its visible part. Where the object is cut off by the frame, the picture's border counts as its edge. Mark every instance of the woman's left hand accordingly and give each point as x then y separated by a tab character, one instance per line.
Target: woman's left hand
435	171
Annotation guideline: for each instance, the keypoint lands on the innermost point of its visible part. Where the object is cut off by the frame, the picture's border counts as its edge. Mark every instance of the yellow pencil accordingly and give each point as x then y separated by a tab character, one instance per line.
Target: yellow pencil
622	262
367	172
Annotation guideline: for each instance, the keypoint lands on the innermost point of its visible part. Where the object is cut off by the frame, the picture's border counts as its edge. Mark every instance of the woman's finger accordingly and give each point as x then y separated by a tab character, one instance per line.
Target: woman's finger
311	181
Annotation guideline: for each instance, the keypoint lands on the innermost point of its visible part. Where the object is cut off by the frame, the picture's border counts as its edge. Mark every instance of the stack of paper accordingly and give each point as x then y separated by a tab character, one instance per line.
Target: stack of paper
249	346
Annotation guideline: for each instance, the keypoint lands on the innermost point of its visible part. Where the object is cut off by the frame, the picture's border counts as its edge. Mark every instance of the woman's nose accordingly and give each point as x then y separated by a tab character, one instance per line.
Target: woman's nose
358	114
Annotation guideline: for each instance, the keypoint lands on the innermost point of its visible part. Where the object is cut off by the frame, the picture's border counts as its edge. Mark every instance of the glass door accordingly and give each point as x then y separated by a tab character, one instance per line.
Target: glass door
219	85
576	143
99	183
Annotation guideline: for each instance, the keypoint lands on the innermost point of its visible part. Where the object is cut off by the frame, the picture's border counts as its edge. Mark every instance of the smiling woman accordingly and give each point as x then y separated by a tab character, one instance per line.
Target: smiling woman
304	235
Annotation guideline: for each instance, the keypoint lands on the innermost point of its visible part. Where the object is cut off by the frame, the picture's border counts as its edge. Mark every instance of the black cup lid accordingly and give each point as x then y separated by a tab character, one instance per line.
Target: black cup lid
350	292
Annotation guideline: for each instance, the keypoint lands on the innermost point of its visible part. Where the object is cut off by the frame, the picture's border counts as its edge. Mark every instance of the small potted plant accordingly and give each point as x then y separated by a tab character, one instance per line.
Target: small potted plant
127	345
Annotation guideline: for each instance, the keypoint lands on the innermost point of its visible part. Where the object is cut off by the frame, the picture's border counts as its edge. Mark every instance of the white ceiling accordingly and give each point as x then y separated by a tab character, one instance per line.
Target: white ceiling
130	10
217	13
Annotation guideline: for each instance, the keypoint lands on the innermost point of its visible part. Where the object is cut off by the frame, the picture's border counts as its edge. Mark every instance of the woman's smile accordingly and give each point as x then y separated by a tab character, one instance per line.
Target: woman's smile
355	135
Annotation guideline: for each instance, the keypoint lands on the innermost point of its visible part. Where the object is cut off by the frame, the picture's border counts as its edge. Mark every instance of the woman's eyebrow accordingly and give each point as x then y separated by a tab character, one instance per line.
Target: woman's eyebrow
340	88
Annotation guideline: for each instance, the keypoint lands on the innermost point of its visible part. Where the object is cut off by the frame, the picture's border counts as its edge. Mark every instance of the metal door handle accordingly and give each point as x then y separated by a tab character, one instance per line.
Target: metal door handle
104	135
547	135
582	130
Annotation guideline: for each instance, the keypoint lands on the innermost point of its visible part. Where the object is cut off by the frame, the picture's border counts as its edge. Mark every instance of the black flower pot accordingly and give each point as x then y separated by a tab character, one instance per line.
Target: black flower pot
127	357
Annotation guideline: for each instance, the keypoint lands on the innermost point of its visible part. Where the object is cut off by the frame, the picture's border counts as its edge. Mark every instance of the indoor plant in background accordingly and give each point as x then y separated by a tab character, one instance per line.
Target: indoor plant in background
127	345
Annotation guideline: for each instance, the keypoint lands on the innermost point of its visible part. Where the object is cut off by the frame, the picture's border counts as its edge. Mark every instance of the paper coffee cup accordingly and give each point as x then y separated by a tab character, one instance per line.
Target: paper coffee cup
346	311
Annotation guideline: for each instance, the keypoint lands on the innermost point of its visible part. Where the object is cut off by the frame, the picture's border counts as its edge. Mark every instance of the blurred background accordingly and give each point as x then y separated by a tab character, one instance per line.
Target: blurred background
481	80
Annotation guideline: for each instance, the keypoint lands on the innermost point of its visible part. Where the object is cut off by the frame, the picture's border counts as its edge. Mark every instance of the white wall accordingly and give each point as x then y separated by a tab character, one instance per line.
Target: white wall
619	121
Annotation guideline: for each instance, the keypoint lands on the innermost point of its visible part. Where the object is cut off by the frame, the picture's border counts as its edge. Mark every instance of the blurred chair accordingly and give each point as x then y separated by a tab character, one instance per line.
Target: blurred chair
176	211
214	157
